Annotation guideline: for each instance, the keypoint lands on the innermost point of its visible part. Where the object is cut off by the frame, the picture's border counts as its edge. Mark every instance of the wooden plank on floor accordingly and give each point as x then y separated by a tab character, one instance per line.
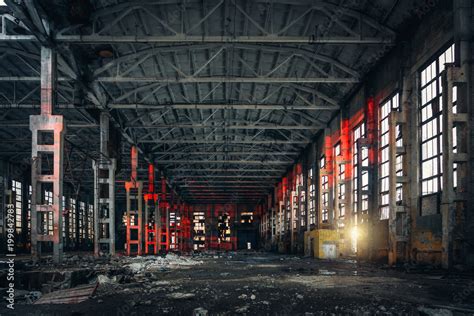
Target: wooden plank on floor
69	296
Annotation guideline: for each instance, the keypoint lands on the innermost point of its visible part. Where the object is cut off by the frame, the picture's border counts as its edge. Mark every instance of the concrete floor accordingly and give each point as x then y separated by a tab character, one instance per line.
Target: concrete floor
255	283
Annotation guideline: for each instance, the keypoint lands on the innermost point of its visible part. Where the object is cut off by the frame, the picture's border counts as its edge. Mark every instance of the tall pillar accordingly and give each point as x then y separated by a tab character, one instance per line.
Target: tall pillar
47	143
134	208
104	194
151	210
162	219
452	199
465	42
398	215
326	190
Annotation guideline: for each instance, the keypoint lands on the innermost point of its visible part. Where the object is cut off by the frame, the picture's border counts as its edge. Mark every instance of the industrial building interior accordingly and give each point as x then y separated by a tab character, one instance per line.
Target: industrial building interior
221	157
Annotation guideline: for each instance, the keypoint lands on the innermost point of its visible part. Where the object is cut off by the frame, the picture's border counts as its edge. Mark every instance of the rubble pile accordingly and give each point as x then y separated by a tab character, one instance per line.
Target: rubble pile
152	263
110	273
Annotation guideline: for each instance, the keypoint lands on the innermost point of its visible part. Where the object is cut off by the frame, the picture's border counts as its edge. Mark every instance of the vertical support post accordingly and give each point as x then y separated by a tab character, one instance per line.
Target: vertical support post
450	78
163	215
292	198
134	208
47	139
151	210
328	172
465	177
397	222
104	194
343	199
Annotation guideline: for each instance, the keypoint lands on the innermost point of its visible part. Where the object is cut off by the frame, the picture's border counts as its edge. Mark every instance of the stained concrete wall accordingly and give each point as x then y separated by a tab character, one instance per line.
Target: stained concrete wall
425	35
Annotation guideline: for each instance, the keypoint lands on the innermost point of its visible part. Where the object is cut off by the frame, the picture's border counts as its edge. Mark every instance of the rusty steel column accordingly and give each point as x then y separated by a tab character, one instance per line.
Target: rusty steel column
47	140
104	194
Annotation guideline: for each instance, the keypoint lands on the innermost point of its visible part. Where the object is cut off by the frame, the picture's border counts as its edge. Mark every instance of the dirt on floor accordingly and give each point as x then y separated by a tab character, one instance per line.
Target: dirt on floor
245	283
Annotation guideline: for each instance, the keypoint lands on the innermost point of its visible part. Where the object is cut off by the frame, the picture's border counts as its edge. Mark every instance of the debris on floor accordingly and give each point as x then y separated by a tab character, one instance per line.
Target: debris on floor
69	296
240	283
151	263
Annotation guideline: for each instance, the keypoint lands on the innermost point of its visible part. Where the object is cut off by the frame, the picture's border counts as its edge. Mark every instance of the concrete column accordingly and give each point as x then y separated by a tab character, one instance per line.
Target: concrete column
104	194
397	213
47	139
452	76
327	171
151	210
134	190
464	29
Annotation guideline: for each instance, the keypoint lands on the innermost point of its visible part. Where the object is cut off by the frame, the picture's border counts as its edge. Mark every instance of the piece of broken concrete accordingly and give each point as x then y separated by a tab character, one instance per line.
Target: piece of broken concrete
181	296
200	312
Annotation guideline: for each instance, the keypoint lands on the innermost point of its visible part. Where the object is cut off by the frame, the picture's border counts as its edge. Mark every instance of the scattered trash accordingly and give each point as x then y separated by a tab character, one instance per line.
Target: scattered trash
69	296
253	297
103	279
243	309
200	312
33	296
326	272
181	296
144	264
434	311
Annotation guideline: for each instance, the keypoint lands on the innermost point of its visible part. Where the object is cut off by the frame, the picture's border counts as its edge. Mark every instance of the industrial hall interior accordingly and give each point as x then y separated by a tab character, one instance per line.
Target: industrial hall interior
236	157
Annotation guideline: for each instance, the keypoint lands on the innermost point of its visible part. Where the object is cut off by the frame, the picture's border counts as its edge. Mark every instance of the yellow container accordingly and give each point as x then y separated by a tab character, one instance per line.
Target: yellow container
321	243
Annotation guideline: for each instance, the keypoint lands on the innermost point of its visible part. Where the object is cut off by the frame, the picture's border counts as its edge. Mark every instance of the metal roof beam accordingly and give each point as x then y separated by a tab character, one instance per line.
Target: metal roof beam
188	176
235	141
237	162
198	39
230	153
236	126
225	106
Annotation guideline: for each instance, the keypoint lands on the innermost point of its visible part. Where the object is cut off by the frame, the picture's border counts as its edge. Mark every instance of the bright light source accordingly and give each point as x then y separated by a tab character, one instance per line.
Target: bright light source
2	2
354	234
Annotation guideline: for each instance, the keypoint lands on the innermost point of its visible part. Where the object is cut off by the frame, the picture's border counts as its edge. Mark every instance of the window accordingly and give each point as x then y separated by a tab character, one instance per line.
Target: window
431	123
72	218
392	104
324	192
81	220
16	187
341	188
199	228
63	211
48	221
28	216
337	149
90	218
324	199
288	211
312	198
302	199
359	133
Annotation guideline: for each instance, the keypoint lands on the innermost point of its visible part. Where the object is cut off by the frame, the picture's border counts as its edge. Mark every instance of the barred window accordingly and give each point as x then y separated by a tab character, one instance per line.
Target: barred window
431	117
391	104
